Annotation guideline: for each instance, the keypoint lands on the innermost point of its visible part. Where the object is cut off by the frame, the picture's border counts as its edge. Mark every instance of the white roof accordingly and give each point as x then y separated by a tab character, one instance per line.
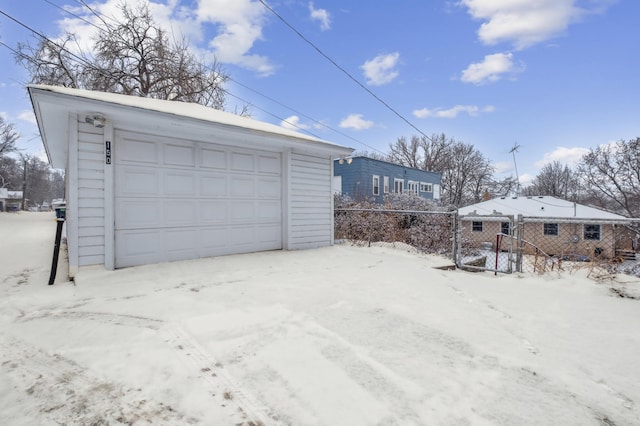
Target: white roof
537	206
53	103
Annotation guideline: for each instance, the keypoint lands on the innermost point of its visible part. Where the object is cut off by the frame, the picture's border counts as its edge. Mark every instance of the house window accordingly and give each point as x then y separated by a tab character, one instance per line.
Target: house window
386	184
426	187
476	226
550	229
412	186
376	185
505	228
592	232
398	186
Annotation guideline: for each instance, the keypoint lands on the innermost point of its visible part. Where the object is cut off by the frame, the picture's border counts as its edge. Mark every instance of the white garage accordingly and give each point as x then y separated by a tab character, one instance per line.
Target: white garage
151	181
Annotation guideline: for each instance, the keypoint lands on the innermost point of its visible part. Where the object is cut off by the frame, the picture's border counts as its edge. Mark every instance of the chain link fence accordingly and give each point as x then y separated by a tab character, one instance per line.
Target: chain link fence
426	231
504	244
532	244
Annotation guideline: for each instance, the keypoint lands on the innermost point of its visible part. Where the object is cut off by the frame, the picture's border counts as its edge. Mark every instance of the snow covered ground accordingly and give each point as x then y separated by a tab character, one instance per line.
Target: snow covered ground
337	336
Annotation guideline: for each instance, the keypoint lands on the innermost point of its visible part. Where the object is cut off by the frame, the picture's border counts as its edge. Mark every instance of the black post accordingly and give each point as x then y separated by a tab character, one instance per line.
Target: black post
56	251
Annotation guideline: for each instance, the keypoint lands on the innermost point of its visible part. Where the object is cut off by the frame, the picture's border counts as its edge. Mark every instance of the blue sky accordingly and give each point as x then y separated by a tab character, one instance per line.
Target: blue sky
557	77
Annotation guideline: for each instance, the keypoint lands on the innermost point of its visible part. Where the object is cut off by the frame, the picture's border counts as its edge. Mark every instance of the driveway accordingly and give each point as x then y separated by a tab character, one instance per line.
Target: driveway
341	335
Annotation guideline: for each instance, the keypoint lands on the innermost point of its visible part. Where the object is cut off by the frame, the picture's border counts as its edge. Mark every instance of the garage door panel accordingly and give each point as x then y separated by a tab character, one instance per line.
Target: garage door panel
134	213
269	211
179	155
243	186
213	212
241	236
182	244
138	247
138	181
269	164
213	239
213	159
241	162
213	185
268	187
179	199
242	211
269	236
180	213
137	151
180	183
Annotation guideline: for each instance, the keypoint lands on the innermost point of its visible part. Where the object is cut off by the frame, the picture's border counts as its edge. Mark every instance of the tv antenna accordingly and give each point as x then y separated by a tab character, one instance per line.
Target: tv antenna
513	151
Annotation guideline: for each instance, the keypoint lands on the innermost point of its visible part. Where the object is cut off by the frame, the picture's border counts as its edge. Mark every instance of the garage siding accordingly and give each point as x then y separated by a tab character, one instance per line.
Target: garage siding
90	195
311	215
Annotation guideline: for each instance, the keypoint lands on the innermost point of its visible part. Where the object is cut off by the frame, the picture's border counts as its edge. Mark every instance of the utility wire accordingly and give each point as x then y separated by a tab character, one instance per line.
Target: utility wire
319	123
344	71
101	17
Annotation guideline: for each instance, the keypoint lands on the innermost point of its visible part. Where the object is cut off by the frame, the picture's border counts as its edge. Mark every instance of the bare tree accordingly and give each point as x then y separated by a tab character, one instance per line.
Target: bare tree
611	176
557	180
466	173
133	57
8	137
502	187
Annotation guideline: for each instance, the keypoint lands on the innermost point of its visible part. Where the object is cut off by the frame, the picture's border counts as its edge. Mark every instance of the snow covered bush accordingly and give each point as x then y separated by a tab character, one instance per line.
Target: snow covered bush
404	218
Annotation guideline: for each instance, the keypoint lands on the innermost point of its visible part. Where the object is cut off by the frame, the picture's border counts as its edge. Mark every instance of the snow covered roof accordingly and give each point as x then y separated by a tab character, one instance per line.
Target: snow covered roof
537	206
57	102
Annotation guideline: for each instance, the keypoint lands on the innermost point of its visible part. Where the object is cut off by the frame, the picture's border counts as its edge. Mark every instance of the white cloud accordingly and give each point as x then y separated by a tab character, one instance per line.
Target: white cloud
381	69
569	156
293	123
237	25
491	69
503	167
320	15
524	23
356	122
28	116
526	179
471	110
240	26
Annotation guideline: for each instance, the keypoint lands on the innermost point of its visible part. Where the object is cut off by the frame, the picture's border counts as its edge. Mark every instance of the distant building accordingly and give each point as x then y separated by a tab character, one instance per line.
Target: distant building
365	178
10	200
554	225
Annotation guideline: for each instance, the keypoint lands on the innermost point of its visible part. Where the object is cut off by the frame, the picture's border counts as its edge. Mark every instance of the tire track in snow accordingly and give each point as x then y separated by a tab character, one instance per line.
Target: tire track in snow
242	407
102	317
65	393
505	315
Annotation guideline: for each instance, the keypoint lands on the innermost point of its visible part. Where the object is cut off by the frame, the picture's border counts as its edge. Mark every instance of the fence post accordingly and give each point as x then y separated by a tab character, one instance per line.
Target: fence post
520	244
454	237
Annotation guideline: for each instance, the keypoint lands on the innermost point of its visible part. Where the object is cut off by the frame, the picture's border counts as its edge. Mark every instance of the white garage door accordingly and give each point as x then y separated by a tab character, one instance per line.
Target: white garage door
177	200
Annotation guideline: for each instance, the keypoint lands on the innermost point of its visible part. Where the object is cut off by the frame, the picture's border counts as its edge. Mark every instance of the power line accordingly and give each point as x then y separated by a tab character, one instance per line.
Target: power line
85	62
344	71
320	123
101	17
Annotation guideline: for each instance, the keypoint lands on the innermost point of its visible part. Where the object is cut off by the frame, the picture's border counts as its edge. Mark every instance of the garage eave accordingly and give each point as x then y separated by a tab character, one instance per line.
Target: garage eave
52	102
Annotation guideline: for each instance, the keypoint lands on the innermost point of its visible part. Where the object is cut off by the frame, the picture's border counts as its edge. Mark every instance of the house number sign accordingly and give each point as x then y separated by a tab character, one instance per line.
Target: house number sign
107	151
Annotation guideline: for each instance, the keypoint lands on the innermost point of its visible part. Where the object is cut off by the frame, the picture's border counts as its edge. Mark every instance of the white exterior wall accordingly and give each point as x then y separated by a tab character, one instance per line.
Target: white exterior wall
310	198
91	208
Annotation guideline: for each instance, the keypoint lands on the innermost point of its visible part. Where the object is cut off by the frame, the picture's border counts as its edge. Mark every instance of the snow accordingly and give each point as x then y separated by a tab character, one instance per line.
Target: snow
539	207
341	335
182	109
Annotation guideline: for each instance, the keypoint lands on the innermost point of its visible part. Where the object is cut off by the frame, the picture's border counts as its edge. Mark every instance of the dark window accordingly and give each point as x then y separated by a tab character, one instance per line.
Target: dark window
550	229
398	186
592	232
376	185
476	226
505	228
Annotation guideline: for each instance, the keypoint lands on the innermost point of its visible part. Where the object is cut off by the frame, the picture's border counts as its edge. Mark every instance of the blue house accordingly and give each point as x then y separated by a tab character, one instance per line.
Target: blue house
365	178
